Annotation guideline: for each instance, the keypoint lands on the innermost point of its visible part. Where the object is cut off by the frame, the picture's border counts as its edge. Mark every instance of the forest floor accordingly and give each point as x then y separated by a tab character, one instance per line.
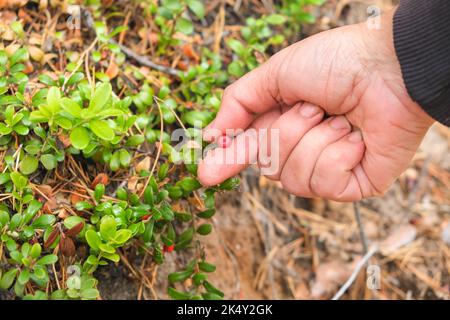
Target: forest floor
270	245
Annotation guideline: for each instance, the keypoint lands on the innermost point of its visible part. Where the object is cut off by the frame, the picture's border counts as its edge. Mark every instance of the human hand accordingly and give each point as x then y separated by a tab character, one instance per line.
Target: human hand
353	74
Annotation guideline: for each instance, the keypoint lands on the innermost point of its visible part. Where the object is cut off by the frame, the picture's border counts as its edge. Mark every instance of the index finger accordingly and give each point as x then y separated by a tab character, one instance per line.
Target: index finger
252	94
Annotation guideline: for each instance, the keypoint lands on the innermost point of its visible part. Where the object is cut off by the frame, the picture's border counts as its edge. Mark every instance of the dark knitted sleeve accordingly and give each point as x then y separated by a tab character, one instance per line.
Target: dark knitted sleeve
422	42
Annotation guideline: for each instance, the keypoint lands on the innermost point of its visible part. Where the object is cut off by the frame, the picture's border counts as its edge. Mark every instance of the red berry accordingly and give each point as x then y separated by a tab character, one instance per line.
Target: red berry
168	248
146	217
224	141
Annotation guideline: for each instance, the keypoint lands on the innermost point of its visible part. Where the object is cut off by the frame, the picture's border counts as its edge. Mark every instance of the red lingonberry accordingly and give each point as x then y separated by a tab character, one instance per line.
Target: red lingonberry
224	141
168	248
146	217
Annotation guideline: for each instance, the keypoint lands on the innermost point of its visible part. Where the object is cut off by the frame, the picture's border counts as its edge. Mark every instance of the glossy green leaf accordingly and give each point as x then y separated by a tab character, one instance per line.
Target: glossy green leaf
101	96
80	138
28	165
101	129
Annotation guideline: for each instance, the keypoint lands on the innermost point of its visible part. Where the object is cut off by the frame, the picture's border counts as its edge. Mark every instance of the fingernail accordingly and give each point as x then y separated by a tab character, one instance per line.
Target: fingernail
355	137
339	123
224	141
309	110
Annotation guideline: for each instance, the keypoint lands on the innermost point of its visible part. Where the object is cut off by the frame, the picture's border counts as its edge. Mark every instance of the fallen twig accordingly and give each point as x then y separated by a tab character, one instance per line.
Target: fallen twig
362	233
130	53
355	272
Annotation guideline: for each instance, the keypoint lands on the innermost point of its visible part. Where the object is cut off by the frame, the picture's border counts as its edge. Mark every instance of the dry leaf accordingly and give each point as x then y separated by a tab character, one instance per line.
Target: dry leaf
100	178
50	205
67	247
11	49
189	52
112	71
75	198
132	183
46	190
72	232
143	165
62	214
400	237
29	68
65	140
36	53
329	276
51	238
4	4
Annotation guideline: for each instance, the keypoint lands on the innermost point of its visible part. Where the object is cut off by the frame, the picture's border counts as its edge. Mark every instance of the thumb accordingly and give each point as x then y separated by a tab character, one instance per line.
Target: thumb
254	93
295	74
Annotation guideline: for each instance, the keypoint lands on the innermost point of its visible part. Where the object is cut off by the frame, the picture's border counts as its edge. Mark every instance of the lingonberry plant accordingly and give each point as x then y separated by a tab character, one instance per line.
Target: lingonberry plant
89	171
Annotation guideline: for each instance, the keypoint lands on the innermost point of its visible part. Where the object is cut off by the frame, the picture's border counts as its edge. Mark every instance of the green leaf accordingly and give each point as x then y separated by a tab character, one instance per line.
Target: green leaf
198	278
148	232
108	227
125	157
184	25
236	69
80	138
46	79
49	161
25	249
53	97
48	259
111	256
102	129
211	289
179	276
177	295
35	251
114	163
3	58
21	129
75	78
197	8
17	27
99	192
4	218
24	276
237	47
8	278
106	248
89	294
28	165
43	221
71	107
123	236
135	140
19	180
198	118
276	19
207	214
19	56
101	96
40	272
229	184
190	184
162	171
93	239
206	267
204	229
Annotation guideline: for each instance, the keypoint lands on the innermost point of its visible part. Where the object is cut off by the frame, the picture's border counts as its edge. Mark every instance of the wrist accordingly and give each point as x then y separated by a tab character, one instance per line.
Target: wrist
382	58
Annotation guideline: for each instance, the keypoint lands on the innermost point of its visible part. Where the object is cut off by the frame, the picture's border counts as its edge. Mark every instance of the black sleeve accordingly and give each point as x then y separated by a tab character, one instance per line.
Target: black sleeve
422	42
